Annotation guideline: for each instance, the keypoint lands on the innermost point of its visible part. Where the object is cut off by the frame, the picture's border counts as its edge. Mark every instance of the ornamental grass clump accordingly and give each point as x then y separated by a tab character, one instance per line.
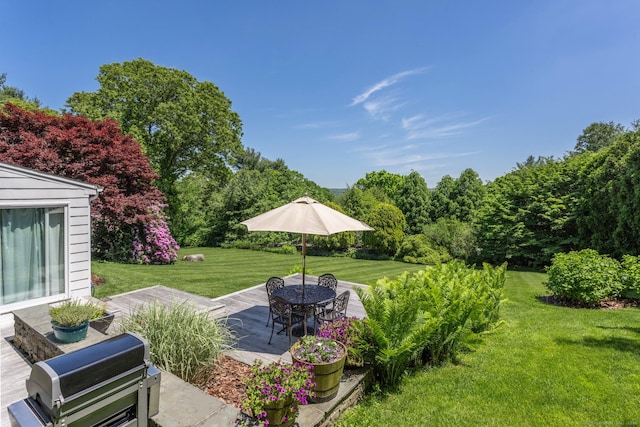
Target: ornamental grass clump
354	334
74	312
313	349
182	340
277	382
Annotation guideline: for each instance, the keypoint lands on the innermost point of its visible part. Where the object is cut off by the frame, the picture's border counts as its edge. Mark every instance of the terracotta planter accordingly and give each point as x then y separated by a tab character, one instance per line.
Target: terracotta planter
278	410
327	376
68	334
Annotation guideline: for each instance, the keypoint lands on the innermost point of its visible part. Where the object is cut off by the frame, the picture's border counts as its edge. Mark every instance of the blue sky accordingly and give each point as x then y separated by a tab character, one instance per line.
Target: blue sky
341	88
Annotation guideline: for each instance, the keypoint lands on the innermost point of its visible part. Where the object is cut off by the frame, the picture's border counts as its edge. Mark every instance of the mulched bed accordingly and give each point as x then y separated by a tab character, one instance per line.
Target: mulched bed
604	305
226	382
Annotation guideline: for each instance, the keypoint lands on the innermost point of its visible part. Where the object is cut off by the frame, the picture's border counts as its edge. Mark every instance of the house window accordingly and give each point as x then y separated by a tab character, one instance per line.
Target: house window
32	253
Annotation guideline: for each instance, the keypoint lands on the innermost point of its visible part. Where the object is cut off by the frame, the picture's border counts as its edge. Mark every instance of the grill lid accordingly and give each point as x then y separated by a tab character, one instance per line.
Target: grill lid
71	373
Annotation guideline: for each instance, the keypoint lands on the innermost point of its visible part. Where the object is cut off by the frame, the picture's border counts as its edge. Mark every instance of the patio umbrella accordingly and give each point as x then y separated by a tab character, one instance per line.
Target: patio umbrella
305	216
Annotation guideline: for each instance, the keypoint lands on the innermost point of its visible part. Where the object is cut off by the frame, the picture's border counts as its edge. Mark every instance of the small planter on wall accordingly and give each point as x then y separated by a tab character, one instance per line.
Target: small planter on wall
70	333
102	324
70	319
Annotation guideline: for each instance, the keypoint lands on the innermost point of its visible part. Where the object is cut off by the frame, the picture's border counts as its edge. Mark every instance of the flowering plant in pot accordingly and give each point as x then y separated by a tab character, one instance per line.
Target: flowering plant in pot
275	391
356	336
327	357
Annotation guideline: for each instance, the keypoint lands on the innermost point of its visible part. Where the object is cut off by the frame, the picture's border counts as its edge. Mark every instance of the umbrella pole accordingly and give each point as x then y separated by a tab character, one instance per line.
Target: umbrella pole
304	259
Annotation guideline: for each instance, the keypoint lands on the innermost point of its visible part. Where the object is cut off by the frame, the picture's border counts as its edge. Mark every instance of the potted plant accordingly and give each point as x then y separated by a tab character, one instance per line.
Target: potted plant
275	391
101	318
327	357
356	336
70	320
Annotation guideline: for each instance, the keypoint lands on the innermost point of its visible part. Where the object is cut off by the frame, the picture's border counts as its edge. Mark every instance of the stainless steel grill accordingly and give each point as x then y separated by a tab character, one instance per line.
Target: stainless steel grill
108	384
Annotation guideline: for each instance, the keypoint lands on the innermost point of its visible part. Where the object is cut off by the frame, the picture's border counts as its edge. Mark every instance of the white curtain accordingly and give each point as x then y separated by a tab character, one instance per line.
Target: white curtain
31	253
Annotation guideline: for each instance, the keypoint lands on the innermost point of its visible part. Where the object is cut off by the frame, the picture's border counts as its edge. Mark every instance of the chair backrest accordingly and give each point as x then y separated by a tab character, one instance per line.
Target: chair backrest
274	283
341	303
328	280
279	307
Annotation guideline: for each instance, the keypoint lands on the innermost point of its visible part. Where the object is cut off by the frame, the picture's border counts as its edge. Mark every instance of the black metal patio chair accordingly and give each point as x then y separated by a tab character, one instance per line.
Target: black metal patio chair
272	284
282	313
336	309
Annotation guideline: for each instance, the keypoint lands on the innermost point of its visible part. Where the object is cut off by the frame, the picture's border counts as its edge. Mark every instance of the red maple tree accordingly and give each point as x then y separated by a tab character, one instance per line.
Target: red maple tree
95	152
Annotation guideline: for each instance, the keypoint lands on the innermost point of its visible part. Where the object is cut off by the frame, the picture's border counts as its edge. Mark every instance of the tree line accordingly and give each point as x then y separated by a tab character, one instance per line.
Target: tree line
168	151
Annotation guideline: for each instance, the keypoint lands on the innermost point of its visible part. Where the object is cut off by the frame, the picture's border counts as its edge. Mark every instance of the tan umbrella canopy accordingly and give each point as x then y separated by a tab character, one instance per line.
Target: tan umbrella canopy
306	216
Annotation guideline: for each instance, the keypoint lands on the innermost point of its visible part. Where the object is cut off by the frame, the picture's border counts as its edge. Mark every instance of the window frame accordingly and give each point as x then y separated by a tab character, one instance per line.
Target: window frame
58	204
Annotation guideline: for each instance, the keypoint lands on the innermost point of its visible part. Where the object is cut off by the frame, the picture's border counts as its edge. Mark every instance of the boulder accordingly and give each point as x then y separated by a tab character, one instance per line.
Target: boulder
193	258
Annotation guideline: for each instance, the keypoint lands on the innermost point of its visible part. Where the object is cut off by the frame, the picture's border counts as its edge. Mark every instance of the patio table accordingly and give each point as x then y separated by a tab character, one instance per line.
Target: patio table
313	294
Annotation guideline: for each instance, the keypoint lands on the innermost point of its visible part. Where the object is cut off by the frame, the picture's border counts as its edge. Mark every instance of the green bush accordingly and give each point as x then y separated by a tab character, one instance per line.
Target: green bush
388	223
298	269
456	236
584	277
418	249
182	340
284	249
631	275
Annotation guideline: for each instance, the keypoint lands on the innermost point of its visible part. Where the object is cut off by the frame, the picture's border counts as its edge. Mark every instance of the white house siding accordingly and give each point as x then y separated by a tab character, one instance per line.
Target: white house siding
21	187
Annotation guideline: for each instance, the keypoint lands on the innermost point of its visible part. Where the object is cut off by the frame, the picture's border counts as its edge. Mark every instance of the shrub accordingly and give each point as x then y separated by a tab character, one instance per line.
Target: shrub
584	277
153	243
418	249
284	249
181	340
298	269
388	223
631	275
456	236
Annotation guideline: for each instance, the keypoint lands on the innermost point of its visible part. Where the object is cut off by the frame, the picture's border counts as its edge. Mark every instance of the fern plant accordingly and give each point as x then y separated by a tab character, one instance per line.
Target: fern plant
398	326
430	315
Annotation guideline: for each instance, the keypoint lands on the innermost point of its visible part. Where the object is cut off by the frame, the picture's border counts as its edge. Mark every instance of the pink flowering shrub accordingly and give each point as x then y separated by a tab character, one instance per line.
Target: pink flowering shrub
153	243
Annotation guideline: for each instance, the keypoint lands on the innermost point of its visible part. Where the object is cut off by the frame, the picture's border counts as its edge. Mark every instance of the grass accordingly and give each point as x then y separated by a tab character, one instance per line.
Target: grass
545	365
229	270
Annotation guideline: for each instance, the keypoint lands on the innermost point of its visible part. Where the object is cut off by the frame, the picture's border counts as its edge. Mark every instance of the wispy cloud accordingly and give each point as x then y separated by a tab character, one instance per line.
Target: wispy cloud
381	109
406	156
346	137
419	127
315	125
389	81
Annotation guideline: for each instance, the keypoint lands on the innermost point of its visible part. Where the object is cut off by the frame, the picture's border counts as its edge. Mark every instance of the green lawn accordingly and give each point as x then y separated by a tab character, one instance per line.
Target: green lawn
545	366
229	270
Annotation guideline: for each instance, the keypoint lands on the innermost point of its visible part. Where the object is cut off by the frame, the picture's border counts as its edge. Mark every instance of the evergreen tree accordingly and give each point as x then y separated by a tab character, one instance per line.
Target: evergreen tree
413	200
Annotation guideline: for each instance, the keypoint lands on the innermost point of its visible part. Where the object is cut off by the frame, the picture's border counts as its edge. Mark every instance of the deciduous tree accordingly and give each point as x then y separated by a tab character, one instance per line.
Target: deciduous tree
91	151
597	136
183	125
